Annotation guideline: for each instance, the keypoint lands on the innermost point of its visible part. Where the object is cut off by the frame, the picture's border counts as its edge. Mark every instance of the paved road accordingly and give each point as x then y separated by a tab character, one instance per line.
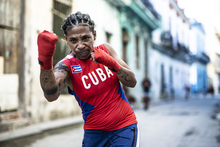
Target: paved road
180	124
171	124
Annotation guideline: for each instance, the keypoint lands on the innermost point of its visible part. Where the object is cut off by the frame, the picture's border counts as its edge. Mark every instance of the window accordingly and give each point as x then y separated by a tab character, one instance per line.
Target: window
137	52
108	36
9	38
61	9
146	57
125	40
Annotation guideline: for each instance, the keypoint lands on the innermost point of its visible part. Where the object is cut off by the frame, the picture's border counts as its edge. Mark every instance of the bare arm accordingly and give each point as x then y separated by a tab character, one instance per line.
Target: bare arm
125	74
52	81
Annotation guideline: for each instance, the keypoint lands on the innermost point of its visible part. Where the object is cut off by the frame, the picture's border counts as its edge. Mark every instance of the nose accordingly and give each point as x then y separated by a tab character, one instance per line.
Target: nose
80	45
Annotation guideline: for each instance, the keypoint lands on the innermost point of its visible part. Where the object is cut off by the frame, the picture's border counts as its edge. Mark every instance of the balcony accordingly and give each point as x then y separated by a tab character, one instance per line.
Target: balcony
177	51
201	57
150	7
166	39
141	10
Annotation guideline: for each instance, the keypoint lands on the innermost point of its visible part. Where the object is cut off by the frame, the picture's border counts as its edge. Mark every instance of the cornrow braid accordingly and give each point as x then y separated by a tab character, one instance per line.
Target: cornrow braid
77	19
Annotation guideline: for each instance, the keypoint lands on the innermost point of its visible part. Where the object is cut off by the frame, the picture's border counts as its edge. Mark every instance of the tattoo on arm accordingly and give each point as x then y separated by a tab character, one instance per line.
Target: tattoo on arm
124	75
60	66
59	85
60	82
45	77
50	91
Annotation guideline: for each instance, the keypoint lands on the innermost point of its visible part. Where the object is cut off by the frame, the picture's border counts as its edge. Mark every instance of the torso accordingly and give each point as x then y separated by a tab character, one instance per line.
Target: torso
99	94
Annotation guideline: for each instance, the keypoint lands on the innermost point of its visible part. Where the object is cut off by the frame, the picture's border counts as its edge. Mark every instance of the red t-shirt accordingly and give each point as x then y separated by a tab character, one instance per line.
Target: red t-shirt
99	94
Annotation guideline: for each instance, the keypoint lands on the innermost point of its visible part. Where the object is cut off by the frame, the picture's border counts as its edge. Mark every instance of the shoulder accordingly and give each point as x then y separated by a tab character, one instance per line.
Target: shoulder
64	63
61	66
109	48
68	57
103	47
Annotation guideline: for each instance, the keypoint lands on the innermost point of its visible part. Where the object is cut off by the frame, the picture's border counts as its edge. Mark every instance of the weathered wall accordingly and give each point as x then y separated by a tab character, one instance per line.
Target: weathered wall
9	53
180	72
38	17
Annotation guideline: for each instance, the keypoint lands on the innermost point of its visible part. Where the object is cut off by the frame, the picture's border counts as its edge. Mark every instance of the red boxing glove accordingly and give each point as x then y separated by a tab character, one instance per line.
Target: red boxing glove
46	42
105	59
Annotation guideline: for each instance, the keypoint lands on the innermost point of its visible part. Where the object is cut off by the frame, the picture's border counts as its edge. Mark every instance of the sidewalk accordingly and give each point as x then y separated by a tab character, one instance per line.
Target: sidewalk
45	126
202	96
39	128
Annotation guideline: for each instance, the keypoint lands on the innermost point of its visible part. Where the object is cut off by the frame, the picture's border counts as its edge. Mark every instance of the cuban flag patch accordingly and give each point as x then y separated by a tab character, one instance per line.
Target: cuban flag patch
76	68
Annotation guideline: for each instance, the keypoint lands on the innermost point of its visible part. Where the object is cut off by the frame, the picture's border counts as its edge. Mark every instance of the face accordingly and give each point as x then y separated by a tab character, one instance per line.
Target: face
81	41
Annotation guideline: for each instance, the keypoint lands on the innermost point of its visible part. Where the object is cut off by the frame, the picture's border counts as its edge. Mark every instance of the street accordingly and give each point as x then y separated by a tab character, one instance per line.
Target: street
177	123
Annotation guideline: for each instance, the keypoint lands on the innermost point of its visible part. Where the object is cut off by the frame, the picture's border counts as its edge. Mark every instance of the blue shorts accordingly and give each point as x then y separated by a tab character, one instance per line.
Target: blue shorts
124	137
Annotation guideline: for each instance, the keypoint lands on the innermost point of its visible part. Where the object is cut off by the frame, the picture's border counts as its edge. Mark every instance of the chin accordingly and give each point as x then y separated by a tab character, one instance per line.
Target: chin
83	58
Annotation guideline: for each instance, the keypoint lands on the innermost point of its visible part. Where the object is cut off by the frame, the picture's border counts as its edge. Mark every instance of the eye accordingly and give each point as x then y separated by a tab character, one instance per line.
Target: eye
73	40
85	38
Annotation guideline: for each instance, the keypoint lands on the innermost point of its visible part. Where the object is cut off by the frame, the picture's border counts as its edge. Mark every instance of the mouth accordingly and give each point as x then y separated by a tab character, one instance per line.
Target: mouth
83	54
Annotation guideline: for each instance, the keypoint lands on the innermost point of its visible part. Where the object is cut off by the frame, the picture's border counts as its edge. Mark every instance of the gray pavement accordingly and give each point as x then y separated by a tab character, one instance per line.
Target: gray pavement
180	124
176	123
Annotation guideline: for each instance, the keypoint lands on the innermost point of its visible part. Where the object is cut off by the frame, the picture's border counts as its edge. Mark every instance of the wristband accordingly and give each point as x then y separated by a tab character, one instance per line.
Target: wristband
107	60
46	42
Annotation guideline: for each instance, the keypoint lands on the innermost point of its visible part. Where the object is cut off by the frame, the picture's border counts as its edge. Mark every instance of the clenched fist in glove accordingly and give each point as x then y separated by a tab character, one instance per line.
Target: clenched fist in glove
46	42
107	60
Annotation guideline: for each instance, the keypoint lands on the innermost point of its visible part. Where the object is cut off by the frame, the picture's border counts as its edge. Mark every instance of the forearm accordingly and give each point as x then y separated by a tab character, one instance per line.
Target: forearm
126	77
49	85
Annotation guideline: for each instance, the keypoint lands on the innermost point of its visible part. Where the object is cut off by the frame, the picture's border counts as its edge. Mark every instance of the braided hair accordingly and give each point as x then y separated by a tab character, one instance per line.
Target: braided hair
77	19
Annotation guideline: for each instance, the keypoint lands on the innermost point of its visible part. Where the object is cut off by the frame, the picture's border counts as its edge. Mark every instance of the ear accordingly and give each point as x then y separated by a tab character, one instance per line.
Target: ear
65	37
94	34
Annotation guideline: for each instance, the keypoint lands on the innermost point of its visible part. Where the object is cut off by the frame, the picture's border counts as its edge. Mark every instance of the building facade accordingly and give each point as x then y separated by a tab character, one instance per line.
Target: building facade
170	58
137	21
198	71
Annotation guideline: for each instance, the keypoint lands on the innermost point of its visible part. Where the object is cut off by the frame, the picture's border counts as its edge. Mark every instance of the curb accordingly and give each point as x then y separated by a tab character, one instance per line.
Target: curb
39	128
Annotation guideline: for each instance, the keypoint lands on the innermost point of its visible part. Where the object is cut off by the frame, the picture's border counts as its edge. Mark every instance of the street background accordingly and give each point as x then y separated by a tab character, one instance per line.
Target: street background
172	45
178	123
